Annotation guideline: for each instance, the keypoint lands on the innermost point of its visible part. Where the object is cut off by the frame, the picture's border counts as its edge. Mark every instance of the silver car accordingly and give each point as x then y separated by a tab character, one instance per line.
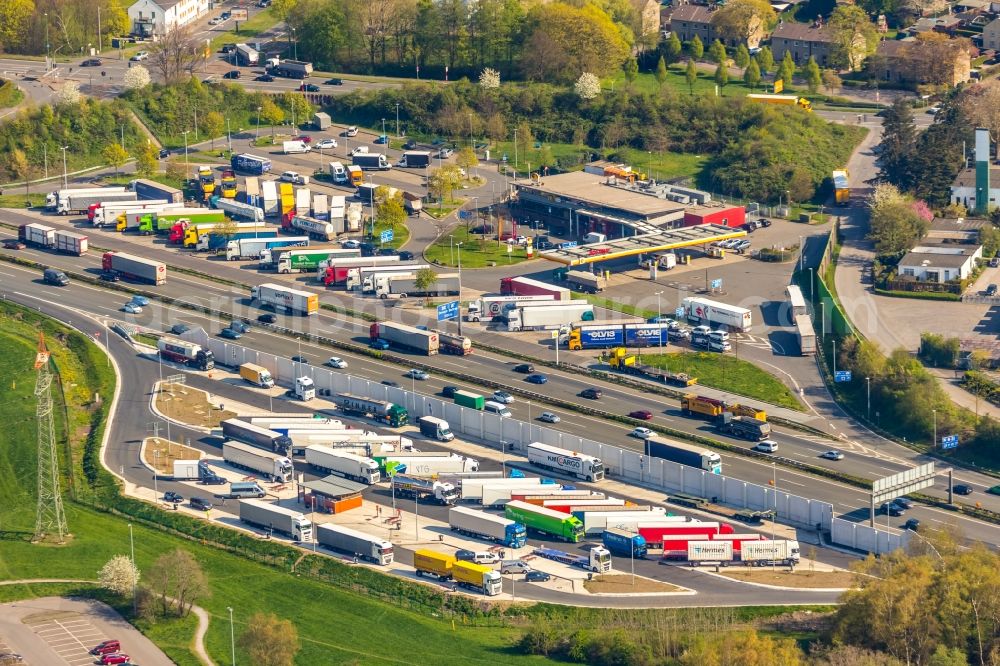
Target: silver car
549	417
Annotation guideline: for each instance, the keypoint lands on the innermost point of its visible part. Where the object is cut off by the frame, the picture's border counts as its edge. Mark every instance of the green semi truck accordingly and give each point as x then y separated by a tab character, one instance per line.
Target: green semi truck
468	399
555	523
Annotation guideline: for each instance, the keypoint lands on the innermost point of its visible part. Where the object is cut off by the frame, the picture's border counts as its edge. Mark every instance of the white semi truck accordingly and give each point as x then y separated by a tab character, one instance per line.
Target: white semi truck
275	467
566	461
276	518
344	539
348	465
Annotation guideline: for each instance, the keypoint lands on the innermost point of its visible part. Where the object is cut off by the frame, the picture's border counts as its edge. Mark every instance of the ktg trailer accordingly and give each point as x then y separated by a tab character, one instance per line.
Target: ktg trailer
135	268
251	248
275	467
348	465
280	298
383	411
189	353
345	540
553	523
255	435
428	463
487	526
579	465
276	519
407	337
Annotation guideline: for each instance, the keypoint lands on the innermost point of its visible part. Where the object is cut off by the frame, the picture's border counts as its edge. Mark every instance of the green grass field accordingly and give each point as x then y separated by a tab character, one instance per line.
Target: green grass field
11	199
728	373
476	252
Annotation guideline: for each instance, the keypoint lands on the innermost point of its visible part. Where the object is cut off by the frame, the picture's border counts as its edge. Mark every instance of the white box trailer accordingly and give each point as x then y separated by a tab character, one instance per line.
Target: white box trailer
705	311
500	495
186	470
271	201
770	552
78	200
37	234
540	316
353	542
595	522
107	213
273	466
70	242
363	277
563	460
472	489
493	305
487	526
348	465
240	210
276	518
430	465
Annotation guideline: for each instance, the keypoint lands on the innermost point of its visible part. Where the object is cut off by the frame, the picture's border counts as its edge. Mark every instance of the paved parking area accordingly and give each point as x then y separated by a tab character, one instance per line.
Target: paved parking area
56	631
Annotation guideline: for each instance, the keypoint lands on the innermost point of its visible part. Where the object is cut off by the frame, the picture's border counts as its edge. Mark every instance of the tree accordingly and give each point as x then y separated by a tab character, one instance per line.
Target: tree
854	36
751	75
899	139
14	16
489	79
696	48
981	105
563	39
661	71
765	58
271	114
588	86
744	21
178	582
813	76
442	182
631	68
19	166
227	228
69	94
786	70
213	124
390	212
832	81
175	54
147	161
136	78
742	56
467	159
717	52
742	648
114	155
691	75
896	225
721	74
425	279
673	47
119	575
270	641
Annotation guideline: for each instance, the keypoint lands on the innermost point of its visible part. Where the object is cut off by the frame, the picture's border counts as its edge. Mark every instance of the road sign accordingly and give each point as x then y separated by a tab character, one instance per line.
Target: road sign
464	214
842	376
238	14
949	442
448	311
717	284
386	236
679	312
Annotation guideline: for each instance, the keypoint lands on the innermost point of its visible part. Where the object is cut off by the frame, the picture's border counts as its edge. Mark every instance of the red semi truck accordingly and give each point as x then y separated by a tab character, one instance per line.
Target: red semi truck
522	286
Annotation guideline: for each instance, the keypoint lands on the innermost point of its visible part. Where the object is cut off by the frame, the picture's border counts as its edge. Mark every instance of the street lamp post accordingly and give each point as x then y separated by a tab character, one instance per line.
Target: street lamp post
774	518
397	119
659	314
935	426
515	154
232	634
295	45
810	283
64	149
868	380
229	135
187	173
459	287
131	542
383	127
256	134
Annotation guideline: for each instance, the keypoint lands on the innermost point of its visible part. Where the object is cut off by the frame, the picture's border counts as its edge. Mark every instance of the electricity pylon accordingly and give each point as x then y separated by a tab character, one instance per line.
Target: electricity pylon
50	520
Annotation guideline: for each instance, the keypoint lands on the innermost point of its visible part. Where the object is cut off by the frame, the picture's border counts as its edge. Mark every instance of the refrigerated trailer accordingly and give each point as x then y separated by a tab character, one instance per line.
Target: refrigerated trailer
705	311
563	460
276	518
281	298
136	268
407	337
256	435
332	461
540	316
487	526
353	542
275	467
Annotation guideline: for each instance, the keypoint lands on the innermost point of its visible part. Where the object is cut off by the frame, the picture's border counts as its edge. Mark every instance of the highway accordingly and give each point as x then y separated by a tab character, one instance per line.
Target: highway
131	422
24	285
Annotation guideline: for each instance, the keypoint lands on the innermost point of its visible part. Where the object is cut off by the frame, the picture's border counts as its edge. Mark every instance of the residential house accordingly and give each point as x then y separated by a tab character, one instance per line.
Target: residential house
963	190
649	15
943	24
687	21
912	62
991	35
939	263
803	41
155	18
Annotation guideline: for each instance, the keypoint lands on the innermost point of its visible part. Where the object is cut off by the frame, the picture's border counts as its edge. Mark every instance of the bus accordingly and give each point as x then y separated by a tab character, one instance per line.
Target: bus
841	190
787	100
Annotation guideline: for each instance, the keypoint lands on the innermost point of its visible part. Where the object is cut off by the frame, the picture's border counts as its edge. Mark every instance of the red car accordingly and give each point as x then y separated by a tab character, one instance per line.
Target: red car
115	658
305	138
107	647
641	414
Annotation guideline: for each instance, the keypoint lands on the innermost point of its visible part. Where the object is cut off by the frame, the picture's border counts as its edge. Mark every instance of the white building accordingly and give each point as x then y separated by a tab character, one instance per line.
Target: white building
940	263
158	17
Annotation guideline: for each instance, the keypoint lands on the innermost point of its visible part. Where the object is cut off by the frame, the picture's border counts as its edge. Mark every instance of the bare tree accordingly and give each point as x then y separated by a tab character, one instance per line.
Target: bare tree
176	54
178	581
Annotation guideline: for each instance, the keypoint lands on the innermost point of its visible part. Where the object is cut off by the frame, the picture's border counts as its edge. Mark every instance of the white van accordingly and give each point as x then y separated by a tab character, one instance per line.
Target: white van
496	408
767	446
338	173
486	558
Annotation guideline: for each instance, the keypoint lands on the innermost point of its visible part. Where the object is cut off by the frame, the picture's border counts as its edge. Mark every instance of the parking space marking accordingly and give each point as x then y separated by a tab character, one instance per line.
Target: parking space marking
70	638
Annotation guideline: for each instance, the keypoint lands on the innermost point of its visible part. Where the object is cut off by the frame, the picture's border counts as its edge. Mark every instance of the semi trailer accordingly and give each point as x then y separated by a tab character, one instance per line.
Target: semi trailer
276	518
275	467
374	549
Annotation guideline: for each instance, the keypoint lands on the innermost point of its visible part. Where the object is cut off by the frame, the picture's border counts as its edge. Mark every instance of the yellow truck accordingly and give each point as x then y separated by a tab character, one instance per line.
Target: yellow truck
206	180
711	408
434	563
786	100
477	577
256	375
623	361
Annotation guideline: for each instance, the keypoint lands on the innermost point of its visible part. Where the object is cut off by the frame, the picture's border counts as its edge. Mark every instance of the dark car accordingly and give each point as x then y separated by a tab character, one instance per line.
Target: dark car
335	82
390	383
381	139
904	502
200	504
524	368
405	255
107	647
300	359
109	276
212	480
449	391
92	62
962	489
232	74
892	509
380	344
991	290
536	379
171	496
537	577
239	326
993	490
230	334
912	524
410	144
267	318
388	252
641	414
164	153
465	555
309	87
591	394
178	329
13	244
265	77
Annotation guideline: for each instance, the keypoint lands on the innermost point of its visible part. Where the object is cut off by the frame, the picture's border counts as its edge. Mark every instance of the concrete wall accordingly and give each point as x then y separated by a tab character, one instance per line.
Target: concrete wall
623	464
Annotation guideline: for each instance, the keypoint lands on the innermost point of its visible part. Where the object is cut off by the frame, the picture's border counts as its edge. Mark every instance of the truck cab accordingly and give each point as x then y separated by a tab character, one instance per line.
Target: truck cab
305	389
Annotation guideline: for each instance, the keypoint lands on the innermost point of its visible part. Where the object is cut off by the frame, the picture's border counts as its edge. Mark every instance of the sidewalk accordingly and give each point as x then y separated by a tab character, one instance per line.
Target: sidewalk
949	381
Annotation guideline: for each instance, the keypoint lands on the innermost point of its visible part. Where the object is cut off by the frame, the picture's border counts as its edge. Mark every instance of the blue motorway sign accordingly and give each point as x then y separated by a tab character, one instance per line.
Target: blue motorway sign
717	284
949	442
386	236
448	311
842	376
465	214
679	312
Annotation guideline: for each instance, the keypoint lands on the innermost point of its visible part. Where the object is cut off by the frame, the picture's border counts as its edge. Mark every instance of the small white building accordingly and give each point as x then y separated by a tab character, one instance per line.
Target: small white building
152	18
939	263
963	190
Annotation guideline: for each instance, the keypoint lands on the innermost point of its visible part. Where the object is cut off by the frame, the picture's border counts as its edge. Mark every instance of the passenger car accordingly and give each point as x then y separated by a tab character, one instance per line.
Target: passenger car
591	394
525	368
267	318
13	244
140	56
549	417
767	446
265	77
962	489
351	131
536	379
107	647
300	359
232	74
132	308
337	362
309	87
537	577
230	334
174	498
641	433
449	391
91	62
326	144
415	373
200	504
503	397
390	383
334	82
642	414
350	244
833	454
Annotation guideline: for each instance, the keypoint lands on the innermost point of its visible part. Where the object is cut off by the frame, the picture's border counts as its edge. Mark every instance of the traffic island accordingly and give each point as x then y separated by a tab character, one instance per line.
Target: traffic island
628	584
184	404
800	578
159	454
